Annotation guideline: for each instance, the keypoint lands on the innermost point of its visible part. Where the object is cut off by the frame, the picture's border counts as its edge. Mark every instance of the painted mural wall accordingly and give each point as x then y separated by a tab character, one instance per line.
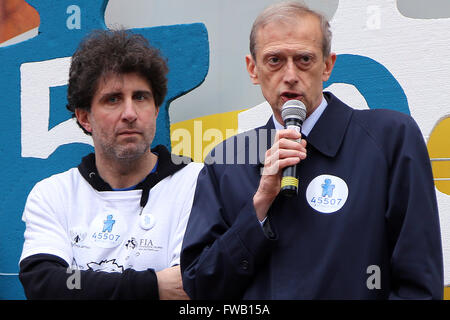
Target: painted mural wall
391	54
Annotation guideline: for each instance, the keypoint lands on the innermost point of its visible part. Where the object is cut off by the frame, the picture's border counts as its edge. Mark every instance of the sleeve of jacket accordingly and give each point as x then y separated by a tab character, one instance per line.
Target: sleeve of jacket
220	255
412	219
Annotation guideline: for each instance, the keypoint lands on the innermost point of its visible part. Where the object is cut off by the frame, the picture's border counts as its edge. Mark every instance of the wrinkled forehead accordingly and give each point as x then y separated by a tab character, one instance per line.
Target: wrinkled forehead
289	28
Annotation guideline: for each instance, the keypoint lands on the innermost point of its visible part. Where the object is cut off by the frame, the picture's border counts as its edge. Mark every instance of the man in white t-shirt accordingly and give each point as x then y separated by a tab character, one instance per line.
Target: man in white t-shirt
112	227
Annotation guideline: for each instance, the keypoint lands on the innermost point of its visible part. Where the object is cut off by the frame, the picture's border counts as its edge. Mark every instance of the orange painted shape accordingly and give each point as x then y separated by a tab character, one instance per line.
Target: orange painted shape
16	17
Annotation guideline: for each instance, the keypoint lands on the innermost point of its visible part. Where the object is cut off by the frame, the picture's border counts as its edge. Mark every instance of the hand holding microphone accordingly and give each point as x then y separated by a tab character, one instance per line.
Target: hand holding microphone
293	113
286	152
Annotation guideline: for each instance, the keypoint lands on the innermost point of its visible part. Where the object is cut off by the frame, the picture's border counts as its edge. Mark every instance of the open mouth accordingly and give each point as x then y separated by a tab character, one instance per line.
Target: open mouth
286	96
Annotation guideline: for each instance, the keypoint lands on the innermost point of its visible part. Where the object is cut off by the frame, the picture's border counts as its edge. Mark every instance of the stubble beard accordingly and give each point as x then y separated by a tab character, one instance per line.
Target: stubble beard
127	151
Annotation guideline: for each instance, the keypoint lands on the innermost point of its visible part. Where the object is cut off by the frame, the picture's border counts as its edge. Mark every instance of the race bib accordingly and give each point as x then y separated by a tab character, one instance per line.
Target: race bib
327	194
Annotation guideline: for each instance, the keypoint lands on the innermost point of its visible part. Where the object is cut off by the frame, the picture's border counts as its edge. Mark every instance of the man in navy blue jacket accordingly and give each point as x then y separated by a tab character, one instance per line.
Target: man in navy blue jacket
365	222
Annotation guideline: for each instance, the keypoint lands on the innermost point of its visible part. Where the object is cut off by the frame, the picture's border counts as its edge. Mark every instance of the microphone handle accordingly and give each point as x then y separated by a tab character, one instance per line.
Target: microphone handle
289	180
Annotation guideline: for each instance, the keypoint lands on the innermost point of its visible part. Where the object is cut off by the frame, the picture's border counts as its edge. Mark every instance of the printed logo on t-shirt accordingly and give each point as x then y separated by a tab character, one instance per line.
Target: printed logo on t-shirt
326	193
131	243
77	237
107	230
142	244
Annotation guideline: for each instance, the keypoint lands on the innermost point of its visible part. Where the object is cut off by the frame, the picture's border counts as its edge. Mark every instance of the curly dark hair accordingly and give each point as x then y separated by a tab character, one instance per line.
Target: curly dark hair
105	52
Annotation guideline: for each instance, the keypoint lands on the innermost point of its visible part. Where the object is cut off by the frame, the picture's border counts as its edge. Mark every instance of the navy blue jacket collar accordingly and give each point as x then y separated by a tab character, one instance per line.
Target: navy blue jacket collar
328	133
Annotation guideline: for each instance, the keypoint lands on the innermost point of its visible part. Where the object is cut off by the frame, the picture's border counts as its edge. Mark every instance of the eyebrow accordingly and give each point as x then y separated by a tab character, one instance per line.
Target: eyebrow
147	92
108	94
272	53
281	52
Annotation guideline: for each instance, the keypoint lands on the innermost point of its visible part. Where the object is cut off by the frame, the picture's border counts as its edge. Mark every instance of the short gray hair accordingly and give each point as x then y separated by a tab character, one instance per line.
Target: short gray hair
290	9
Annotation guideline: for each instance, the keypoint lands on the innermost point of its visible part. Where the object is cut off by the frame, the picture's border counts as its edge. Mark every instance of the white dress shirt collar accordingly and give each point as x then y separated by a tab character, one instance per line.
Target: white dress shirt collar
309	123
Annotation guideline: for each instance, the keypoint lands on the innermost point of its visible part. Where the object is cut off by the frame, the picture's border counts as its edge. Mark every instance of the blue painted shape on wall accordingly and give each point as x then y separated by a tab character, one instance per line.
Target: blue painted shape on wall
185	46
58	114
376	84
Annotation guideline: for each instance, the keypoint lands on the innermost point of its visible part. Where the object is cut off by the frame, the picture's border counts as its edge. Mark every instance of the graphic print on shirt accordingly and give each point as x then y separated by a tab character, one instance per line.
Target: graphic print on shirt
78	237
131	243
142	244
107	230
105	265
327	194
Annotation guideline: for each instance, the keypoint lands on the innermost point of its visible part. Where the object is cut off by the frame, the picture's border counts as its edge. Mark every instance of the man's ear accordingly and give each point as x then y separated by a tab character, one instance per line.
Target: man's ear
83	119
251	68
329	64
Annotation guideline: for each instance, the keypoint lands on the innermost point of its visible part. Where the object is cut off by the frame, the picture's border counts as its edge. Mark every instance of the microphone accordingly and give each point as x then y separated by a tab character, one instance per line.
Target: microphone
293	113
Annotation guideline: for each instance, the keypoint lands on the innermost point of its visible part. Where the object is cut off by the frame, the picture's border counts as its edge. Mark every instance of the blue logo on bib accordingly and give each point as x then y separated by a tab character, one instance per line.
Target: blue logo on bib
108	223
327	188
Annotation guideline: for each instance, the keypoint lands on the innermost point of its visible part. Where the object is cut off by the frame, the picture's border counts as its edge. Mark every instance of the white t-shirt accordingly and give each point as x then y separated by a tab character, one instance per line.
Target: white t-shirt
106	231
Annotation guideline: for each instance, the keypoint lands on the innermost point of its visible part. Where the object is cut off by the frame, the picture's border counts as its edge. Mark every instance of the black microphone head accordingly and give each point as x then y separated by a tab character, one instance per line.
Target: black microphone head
293	109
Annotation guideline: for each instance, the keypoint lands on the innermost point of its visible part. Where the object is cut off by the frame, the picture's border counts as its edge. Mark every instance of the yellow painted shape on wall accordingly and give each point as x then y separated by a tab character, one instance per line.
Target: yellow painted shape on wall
195	138
446	293
439	150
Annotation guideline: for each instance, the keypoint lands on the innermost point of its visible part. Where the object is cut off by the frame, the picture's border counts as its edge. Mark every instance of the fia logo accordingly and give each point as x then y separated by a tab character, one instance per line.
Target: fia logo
148	245
131	244
327	193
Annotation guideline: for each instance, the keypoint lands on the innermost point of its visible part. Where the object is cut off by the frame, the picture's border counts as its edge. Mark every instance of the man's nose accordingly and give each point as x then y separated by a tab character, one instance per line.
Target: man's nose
129	110
291	73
